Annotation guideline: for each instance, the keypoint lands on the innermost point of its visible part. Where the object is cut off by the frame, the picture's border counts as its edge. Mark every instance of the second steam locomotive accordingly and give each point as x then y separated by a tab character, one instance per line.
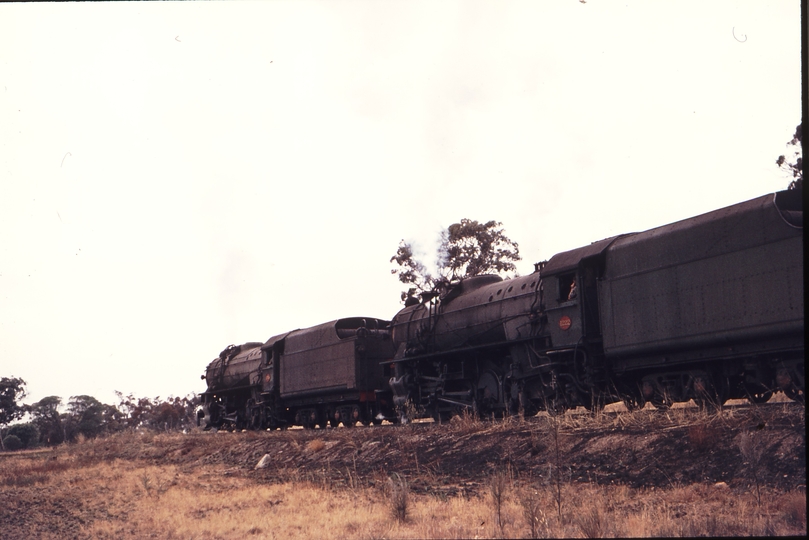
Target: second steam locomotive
709	308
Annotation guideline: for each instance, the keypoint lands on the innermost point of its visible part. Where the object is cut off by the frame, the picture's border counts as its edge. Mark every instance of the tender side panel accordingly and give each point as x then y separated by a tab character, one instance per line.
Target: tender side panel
729	276
337	356
324	368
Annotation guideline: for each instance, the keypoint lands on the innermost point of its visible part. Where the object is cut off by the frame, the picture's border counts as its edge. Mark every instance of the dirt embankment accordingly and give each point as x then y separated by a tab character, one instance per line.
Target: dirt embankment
744	451
737	446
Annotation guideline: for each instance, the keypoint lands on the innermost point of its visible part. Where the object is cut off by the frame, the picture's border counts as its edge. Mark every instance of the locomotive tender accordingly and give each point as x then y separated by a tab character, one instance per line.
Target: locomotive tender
326	374
709	308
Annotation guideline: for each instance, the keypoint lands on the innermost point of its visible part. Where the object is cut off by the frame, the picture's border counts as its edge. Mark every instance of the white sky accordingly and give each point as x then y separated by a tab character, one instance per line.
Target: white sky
177	177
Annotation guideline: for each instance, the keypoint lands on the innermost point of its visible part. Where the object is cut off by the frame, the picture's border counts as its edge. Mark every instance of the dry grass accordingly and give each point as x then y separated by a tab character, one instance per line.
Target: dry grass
170	486
127	500
315	445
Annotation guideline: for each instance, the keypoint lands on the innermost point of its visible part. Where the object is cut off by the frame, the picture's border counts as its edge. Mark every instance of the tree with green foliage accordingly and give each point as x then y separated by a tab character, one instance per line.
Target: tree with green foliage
12	443
45	416
114	420
411	272
468	248
171	413
795	165
85	415
12	392
27	433
471	249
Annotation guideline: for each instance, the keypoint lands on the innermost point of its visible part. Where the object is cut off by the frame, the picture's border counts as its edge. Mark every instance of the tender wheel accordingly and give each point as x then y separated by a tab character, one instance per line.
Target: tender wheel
795	395
661	402
632	403
345	418
708	404
706	395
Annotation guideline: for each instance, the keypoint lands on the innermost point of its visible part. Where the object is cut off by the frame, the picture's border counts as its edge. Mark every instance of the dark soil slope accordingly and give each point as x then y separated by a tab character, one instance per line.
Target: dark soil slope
738	446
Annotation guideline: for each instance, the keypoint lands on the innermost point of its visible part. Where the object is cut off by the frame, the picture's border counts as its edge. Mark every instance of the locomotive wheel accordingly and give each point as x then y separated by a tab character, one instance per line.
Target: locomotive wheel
253	413
529	408
488	394
593	402
556	406
441	417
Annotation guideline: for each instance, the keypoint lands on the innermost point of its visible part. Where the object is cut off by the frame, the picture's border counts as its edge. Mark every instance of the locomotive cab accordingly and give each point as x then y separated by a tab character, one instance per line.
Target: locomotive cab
572	308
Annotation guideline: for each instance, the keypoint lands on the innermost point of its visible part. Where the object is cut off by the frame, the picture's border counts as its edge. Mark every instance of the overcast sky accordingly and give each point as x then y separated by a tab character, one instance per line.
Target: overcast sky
177	177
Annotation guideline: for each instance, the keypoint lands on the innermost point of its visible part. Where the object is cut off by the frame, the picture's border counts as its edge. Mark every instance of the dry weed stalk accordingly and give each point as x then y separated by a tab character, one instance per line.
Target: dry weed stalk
466	422
701	436
146	481
555	468
399	497
752	447
531	504
793	504
498	485
592	524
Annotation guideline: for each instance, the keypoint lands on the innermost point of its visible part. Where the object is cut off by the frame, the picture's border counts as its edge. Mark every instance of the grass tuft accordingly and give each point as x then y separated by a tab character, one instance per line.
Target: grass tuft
399	495
315	445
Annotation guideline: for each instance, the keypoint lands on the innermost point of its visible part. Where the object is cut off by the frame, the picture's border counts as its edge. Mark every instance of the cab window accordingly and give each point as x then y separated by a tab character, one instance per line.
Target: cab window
568	288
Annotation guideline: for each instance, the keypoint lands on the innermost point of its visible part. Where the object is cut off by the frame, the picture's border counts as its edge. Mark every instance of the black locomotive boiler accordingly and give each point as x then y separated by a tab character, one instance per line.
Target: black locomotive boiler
709	308
332	373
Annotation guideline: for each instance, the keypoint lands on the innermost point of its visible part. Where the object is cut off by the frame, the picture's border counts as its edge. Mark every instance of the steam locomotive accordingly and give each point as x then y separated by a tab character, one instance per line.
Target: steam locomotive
332	373
709	308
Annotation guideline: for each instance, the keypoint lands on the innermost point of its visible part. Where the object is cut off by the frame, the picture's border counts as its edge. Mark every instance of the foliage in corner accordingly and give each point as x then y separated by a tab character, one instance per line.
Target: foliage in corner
795	165
12	391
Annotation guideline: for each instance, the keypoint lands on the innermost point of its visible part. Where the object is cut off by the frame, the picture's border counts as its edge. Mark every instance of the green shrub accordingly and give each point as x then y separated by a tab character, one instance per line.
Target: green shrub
27	433
12	442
